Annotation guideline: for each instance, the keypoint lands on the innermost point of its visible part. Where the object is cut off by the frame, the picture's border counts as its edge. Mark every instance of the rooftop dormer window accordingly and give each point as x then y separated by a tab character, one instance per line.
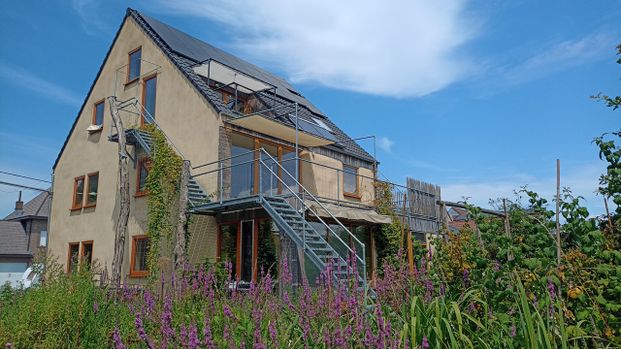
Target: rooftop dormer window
133	67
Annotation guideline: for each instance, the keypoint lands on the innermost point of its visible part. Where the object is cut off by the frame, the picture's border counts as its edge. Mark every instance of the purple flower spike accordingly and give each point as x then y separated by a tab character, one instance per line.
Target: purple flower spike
116	338
425	343
193	341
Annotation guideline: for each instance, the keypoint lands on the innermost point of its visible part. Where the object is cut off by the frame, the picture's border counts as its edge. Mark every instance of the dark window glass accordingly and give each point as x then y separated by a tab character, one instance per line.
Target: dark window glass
288	163
150	86
143	168
140	257
87	254
74	250
268	257
242	167
134	64
350	179
228	246
79	192
246	250
269	169
99	113
93	184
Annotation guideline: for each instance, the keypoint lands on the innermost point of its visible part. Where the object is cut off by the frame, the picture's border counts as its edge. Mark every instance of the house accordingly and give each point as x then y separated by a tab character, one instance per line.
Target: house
271	175
23	233
460	219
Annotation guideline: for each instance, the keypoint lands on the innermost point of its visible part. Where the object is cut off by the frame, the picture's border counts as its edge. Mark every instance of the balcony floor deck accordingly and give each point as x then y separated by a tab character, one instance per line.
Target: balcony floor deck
212	208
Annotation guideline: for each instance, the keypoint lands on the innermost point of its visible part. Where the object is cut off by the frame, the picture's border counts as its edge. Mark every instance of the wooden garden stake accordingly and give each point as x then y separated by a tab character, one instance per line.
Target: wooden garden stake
558	205
507	228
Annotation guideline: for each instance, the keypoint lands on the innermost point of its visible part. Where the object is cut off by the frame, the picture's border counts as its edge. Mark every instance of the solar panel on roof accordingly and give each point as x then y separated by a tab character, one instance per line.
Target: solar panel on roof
313	129
199	51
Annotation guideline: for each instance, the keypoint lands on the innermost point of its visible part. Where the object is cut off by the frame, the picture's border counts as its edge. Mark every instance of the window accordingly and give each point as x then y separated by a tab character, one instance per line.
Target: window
322	124
148	99
86	257
133	69
78	193
98	113
350	181
93	183
72	257
140	249
142	170
227	246
43	238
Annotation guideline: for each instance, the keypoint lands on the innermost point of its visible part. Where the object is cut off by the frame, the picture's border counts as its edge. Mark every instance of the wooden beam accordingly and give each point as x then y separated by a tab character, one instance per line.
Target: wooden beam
121	224
182	219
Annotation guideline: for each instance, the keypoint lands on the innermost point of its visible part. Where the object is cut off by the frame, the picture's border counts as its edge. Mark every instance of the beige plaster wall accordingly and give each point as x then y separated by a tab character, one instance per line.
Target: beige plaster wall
182	113
323	177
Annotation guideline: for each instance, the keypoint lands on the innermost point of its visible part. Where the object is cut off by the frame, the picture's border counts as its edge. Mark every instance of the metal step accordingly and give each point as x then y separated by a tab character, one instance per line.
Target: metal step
292	223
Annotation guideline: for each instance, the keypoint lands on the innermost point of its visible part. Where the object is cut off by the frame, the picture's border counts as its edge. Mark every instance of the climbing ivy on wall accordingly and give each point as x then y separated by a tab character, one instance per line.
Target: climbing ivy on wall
163	187
389	238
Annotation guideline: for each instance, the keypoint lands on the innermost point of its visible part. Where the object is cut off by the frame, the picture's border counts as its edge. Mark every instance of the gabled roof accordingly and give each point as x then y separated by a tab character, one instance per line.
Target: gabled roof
38	207
186	52
199	51
12	239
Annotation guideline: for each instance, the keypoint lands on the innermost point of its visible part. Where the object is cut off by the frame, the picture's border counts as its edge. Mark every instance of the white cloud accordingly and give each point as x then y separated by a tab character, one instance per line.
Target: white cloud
32	82
404	48
582	180
385	144
90	17
560	56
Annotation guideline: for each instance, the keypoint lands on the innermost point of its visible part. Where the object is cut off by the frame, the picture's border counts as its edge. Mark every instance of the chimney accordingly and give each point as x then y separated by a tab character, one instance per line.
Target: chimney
19	204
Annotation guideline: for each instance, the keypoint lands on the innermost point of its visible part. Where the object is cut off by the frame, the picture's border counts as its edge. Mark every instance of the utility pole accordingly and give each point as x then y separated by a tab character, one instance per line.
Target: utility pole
121	223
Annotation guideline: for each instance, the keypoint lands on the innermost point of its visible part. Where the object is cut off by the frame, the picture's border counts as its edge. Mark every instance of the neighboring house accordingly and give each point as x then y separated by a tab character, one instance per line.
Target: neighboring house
23	233
459	219
240	126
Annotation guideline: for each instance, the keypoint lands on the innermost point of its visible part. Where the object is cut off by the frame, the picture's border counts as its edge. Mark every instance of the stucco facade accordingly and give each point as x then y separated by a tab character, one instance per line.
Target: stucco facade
191	124
180	111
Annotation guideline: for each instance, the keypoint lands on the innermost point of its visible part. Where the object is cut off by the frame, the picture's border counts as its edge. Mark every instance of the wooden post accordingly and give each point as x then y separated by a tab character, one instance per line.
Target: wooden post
610	226
410	251
558	205
121	223
403	222
409	238
180	242
507	228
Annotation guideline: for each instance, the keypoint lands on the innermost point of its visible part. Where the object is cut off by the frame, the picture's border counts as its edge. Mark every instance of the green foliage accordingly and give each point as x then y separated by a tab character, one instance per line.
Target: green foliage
163	188
611	101
69	312
388	241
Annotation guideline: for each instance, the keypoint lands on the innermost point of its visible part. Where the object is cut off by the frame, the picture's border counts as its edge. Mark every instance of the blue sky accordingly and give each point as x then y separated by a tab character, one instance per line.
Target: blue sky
479	97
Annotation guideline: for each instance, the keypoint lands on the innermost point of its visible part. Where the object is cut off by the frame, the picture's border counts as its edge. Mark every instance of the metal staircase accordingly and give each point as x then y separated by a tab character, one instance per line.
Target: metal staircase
301	231
142	138
290	208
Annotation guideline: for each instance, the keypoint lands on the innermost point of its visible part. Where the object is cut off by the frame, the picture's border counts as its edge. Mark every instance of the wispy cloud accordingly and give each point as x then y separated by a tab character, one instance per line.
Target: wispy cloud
385	144
18	144
90	17
582	180
28	80
558	57
402	49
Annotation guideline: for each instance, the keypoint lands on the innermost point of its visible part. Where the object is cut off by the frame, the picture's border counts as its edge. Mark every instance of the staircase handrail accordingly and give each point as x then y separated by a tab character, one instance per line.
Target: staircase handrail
147	115
363	259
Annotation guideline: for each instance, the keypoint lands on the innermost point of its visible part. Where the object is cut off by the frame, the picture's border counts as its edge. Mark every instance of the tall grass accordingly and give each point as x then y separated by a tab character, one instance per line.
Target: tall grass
201	312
